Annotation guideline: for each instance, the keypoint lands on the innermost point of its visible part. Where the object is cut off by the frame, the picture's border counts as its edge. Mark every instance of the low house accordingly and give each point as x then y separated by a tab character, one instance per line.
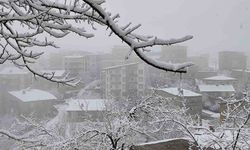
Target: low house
79	110
220	79
33	102
205	74
212	94
192	100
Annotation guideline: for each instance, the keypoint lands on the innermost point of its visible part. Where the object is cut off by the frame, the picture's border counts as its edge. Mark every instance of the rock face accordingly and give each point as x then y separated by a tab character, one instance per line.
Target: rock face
175	144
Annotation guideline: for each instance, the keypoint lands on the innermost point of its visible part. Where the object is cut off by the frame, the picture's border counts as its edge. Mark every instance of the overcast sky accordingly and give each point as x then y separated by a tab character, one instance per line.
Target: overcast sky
215	24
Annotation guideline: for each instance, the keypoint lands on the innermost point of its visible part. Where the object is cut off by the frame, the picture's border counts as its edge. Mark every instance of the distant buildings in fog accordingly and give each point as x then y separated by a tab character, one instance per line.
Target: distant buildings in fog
116	77
229	60
174	54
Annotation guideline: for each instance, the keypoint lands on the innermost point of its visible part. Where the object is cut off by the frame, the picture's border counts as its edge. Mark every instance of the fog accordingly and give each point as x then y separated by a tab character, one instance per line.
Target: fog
215	25
98	94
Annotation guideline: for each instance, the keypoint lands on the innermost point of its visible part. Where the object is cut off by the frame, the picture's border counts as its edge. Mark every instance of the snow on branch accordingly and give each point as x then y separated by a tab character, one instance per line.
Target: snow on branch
126	35
39	17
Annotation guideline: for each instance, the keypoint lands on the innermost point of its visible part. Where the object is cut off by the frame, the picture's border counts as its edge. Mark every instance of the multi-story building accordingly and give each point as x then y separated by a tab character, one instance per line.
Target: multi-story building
201	63
124	81
174	53
229	60
93	65
75	65
56	59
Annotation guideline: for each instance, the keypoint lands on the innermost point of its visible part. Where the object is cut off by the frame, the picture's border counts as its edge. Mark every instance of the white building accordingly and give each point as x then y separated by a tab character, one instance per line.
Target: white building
220	80
34	102
191	100
124	81
75	65
174	53
212	94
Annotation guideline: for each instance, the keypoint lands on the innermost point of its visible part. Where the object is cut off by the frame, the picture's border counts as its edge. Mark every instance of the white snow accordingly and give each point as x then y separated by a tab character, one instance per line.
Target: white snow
220	78
74	56
29	95
85	105
161	141
175	91
12	70
216	88
117	66
212	114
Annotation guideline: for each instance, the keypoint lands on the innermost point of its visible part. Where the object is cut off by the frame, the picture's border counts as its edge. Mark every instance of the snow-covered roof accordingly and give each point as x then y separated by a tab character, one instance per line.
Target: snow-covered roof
216	88
175	91
30	95
242	70
13	70
162	141
57	73
220	78
85	105
74	56
210	113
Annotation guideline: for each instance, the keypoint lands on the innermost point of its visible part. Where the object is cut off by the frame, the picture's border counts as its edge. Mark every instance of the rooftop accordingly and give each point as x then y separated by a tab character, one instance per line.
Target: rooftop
220	78
85	105
176	92
216	88
123	65
242	70
74	56
30	95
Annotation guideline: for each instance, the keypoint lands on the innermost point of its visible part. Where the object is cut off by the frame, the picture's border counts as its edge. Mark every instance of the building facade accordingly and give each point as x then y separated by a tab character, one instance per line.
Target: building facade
124	81
75	65
174	54
229	60
191	100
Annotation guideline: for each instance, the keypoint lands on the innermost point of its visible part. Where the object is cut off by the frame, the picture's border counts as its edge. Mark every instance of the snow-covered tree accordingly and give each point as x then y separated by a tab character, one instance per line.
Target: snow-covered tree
150	119
25	24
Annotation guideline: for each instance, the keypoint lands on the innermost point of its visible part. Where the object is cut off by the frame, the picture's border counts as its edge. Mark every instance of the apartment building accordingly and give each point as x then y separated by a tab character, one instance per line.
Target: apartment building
75	65
229	60
123	81
174	53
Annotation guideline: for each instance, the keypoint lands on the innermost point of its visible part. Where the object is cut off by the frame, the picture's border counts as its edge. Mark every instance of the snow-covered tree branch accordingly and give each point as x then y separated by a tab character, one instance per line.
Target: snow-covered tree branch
40	18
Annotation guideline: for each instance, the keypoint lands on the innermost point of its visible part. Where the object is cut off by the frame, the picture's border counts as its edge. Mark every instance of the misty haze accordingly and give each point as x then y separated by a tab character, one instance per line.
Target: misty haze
124	75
